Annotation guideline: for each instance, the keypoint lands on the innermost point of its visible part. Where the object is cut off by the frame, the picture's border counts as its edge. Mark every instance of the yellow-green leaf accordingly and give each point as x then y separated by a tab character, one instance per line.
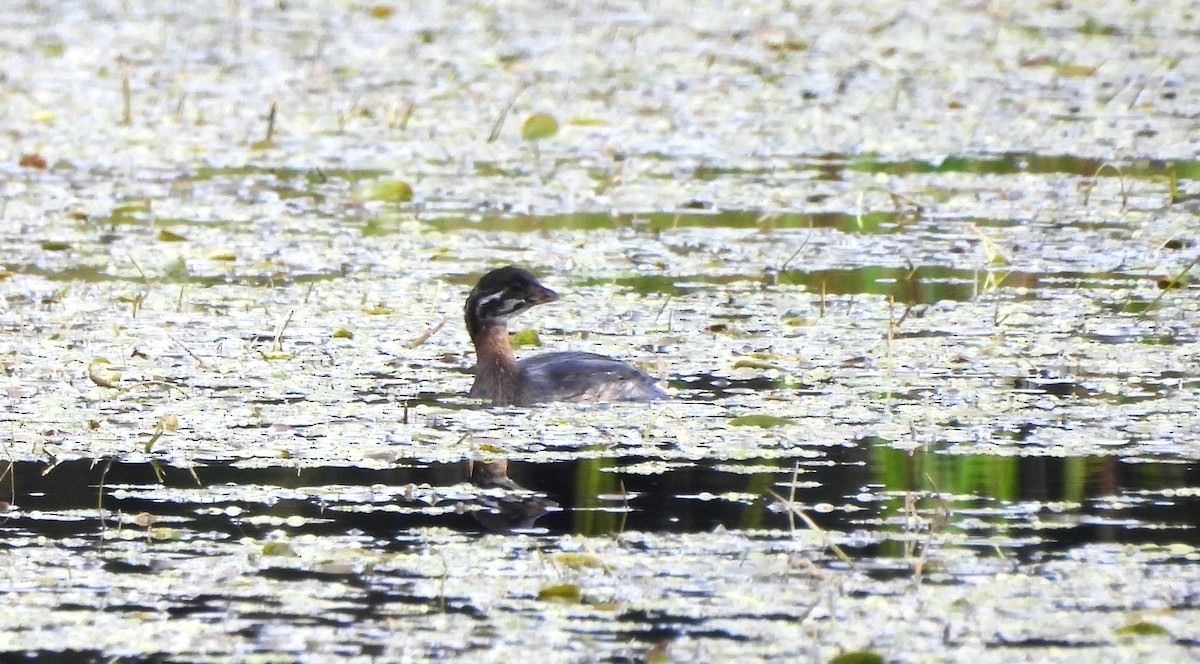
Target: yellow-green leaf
539	126
764	421
382	11
282	549
1074	70
524	338
391	191
566	593
754	364
577	560
1142	628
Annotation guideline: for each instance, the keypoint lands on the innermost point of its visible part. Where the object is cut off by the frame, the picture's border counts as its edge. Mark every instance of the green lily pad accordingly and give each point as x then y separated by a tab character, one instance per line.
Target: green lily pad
1142	628
566	593
764	421
524	338
282	549
539	126
392	191
747	363
858	657
577	560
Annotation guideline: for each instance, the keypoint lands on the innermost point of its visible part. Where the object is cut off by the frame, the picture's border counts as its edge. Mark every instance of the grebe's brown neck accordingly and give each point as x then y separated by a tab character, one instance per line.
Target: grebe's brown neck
498	296
496	369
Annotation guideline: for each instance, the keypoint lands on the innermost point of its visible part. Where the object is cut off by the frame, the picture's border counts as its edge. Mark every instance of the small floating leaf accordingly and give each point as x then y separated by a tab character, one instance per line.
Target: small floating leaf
32	161
764	421
391	191
378	310
1143	628
93	370
578	560
382	11
1093	27
129	213
165	235
539	126
492	448
858	657
222	255
1074	71
566	593
755	364
342	333
587	122
524	338
278	549
55	245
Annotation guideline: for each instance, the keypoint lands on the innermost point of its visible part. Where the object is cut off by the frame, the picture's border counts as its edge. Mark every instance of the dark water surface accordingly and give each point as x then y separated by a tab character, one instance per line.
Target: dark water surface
991	501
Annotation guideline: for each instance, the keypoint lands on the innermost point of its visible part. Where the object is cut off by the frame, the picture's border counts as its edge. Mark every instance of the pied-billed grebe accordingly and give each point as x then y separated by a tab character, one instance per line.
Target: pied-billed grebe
563	376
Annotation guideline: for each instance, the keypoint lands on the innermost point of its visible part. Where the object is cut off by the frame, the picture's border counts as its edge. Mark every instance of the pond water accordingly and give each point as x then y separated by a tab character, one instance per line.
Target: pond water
920	281
1025	507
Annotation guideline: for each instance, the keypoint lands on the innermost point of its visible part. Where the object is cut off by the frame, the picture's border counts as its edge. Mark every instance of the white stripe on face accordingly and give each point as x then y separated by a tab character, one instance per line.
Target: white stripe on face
508	306
488	299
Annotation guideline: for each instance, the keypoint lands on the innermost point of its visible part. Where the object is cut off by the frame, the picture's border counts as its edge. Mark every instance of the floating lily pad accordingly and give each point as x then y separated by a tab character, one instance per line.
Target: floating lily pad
858	657
566	593
764	421
1143	628
391	191
577	560
748	363
381	11
278	549
524	338
539	126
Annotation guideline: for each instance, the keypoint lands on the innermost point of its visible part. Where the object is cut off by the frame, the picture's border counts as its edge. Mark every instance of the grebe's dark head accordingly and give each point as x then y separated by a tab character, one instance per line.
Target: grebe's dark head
501	294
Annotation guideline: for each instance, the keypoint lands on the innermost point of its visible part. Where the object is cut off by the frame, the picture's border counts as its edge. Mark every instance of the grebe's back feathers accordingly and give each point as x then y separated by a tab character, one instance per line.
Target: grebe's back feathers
579	376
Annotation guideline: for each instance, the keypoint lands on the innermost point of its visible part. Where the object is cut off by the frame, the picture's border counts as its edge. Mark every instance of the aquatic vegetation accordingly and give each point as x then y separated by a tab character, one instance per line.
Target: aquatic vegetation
922	283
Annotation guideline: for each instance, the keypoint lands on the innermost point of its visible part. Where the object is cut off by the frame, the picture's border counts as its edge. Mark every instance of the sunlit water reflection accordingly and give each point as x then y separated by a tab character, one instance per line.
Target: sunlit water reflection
873	496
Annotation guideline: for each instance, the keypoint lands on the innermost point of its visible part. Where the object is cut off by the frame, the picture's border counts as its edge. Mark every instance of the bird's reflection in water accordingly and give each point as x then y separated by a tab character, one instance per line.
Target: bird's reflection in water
507	507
